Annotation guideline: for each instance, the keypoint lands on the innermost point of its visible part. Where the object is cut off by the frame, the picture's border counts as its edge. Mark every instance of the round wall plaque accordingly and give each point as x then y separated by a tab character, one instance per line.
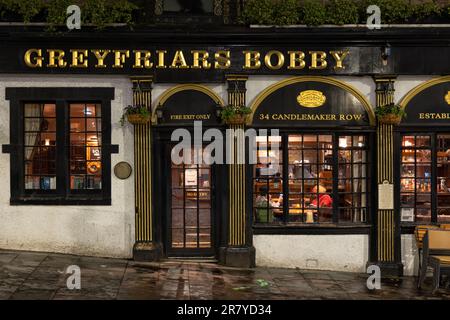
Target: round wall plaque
122	170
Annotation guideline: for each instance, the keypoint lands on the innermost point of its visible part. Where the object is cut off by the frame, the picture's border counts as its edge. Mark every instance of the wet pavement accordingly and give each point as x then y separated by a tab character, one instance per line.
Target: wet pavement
31	275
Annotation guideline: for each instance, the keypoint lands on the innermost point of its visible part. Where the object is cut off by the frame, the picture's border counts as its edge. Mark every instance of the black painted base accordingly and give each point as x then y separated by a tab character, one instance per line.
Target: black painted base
388	269
239	257
146	251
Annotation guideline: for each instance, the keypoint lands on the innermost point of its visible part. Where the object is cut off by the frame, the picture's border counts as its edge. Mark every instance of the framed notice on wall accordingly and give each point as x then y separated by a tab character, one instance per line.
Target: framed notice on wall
407	215
191	177
386	196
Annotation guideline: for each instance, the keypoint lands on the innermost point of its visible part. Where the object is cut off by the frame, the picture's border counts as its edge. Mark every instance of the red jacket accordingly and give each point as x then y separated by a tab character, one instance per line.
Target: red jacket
325	201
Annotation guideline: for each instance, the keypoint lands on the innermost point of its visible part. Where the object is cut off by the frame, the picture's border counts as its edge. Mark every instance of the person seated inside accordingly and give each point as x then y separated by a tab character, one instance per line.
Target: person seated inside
323	201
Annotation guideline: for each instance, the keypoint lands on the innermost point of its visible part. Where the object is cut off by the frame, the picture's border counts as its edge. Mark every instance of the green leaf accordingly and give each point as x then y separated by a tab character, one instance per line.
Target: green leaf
241	288
262	283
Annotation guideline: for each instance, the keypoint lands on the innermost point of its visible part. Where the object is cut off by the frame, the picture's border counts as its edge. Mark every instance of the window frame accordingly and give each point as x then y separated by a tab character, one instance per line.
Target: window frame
62	98
416	131
326	227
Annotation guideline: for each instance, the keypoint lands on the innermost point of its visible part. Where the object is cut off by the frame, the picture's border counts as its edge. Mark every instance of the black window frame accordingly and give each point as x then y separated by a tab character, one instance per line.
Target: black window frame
408	227
327	227
62	98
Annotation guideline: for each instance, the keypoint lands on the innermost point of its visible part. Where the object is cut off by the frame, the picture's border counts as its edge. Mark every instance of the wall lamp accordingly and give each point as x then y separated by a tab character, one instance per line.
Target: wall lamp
385	54
159	112
218	110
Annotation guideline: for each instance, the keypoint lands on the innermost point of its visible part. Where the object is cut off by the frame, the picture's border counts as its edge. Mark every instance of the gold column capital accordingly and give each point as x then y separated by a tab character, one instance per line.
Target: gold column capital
144	83
384	78
236	77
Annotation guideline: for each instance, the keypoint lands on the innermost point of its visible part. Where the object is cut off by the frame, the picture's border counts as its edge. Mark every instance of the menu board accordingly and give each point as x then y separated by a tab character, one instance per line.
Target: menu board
386	196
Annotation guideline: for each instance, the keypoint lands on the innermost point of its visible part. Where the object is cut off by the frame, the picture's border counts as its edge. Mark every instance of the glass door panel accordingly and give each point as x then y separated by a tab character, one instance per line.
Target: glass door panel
191	206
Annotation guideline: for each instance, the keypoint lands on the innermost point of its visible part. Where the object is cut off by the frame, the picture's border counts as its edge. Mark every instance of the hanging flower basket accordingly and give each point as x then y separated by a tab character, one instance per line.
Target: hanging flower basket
235	114
237	119
391	119
138	118
137	114
390	114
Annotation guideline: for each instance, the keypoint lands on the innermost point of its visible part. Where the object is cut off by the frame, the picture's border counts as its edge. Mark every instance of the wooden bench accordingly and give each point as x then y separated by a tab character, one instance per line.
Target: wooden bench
436	254
419	233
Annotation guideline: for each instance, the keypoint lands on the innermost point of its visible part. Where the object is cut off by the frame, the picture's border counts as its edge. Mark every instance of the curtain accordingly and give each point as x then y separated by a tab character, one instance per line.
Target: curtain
32	124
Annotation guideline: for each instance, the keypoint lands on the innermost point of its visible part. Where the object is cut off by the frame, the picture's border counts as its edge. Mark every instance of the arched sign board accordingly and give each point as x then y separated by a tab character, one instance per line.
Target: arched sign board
428	105
183	107
315	103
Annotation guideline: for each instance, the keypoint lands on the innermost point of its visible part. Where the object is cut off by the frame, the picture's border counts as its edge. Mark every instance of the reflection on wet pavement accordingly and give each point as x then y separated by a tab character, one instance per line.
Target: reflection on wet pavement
32	275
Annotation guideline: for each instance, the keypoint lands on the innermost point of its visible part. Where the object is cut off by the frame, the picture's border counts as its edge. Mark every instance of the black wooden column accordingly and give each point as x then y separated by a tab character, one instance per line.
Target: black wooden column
145	248
239	251
386	247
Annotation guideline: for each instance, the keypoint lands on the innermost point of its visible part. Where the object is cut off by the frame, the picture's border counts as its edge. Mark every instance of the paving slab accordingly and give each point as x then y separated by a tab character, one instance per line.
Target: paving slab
42	276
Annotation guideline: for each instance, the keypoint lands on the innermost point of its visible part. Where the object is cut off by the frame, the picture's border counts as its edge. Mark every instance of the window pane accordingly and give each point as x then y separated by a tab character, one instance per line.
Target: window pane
310	181
40	146
443	178
415	178
93	124
85	147
353	182
309	168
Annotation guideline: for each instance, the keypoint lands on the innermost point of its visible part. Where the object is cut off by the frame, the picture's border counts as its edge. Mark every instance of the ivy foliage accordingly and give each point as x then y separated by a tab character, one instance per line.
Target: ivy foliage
271	12
264	12
312	13
343	12
96	12
339	12
424	10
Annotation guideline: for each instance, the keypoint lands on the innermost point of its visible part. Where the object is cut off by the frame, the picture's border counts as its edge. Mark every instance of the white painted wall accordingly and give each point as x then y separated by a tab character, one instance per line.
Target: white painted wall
87	230
410	255
404	84
321	252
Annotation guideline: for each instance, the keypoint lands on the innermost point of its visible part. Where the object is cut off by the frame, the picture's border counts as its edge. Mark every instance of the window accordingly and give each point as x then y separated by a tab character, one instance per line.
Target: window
60	145
424	175
323	179
40	146
85	146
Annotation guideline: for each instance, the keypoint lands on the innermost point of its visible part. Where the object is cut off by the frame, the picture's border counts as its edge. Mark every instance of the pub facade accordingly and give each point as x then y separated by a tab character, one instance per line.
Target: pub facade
346	192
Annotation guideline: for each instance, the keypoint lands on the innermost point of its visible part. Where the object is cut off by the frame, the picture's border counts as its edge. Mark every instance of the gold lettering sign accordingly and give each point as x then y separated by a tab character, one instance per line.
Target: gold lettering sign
190	117
447	98
310	117
183	59
433	116
311	99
